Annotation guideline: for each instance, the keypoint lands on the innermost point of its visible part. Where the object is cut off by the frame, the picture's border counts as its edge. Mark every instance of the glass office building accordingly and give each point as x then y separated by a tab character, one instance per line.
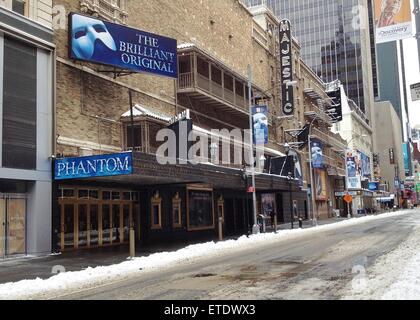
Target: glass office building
336	42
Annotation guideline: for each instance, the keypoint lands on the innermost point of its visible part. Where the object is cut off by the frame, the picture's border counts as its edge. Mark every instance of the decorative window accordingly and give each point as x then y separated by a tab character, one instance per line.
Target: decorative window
200	211
18	6
156	212
176	211
112	10
221	208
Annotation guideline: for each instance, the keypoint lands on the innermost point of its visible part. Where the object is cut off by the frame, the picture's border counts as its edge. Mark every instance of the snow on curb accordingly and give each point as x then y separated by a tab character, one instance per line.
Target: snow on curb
90	277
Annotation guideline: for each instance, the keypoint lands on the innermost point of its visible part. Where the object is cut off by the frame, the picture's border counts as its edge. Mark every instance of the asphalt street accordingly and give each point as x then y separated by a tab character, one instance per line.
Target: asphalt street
308	266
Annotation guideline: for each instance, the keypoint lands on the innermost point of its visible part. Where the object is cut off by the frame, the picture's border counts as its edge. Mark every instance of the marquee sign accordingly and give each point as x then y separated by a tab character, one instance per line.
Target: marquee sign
95	166
103	42
286	63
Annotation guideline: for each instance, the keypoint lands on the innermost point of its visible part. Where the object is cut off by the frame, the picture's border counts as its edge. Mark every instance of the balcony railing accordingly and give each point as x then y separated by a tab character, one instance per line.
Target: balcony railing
187	81
313	111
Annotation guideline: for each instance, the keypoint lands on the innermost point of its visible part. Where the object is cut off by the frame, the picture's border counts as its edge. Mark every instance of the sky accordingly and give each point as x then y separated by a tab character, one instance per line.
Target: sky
412	74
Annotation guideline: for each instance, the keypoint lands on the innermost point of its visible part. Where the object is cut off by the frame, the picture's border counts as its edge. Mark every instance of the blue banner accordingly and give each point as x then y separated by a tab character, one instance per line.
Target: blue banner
95	166
366	170
374	186
406	152
112	44
260	124
317	155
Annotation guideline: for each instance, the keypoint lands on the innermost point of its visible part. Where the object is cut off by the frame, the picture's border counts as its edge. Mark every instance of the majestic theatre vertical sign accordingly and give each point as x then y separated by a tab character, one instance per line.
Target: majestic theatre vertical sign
286	63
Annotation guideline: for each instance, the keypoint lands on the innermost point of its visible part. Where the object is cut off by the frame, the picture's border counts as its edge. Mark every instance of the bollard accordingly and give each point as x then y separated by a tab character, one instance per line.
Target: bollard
132	243
220	229
300	223
275	224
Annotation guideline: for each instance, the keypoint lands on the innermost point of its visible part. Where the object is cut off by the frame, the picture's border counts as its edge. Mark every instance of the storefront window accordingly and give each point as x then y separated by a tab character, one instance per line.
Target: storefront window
176	211
83	194
106	195
116	237
94	194
68	193
200	213
92	218
106	224
156	212
116	196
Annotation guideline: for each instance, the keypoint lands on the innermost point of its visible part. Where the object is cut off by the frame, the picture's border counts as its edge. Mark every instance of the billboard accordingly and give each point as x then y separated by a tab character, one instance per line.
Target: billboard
260	124
104	165
297	160
320	178
373	186
107	43
393	20
285	36
317	154
406	153
366	168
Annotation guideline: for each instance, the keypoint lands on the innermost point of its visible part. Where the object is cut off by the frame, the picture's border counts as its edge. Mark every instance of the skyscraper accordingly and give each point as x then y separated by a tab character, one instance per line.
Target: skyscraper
337	41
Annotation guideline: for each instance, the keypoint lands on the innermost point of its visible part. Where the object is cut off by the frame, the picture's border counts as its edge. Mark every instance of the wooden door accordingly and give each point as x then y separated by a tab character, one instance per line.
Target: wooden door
16	226
2	227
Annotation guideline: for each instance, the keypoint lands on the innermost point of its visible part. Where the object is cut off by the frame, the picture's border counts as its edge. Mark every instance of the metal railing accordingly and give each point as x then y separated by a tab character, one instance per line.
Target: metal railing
186	81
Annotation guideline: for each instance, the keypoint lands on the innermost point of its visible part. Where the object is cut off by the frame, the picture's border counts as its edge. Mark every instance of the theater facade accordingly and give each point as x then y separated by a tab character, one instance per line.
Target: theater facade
113	108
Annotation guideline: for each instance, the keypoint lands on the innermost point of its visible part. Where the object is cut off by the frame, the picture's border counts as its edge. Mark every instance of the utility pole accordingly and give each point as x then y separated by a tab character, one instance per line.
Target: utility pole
255	228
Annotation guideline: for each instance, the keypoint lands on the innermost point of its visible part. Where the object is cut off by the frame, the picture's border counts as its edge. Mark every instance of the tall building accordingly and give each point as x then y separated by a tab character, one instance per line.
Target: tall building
388	72
26	127
337	40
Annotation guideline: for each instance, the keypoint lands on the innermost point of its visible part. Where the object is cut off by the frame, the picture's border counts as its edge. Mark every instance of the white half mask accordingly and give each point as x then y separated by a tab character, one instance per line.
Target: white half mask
85	32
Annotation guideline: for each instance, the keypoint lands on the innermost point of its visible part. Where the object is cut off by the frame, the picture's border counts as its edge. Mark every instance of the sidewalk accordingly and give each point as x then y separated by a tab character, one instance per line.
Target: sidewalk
29	268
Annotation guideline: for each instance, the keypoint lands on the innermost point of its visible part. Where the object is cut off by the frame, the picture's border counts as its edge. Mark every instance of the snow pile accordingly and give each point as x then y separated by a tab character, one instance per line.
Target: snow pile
394	276
408	286
98	276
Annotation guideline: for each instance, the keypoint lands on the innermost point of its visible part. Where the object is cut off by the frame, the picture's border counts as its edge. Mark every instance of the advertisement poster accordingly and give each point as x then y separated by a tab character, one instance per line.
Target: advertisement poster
406	152
260	124
107	43
393	20
366	169
320	177
317	155
351	167
297	160
268	202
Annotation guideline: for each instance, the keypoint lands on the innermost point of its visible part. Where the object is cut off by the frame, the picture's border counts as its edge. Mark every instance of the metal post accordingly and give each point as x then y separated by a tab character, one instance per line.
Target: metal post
131	119
289	177
255	228
132	243
347	183
275	223
132	232
314	218
220	228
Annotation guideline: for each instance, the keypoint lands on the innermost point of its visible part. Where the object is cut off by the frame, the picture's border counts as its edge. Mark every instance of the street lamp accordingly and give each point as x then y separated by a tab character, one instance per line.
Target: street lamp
213	151
292	216
289	179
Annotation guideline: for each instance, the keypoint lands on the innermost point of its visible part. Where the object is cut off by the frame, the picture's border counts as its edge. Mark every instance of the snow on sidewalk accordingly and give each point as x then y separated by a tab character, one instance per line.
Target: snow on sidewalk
395	276
93	277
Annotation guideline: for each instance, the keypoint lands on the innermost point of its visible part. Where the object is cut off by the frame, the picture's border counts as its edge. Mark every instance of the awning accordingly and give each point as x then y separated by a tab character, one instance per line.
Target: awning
386	199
